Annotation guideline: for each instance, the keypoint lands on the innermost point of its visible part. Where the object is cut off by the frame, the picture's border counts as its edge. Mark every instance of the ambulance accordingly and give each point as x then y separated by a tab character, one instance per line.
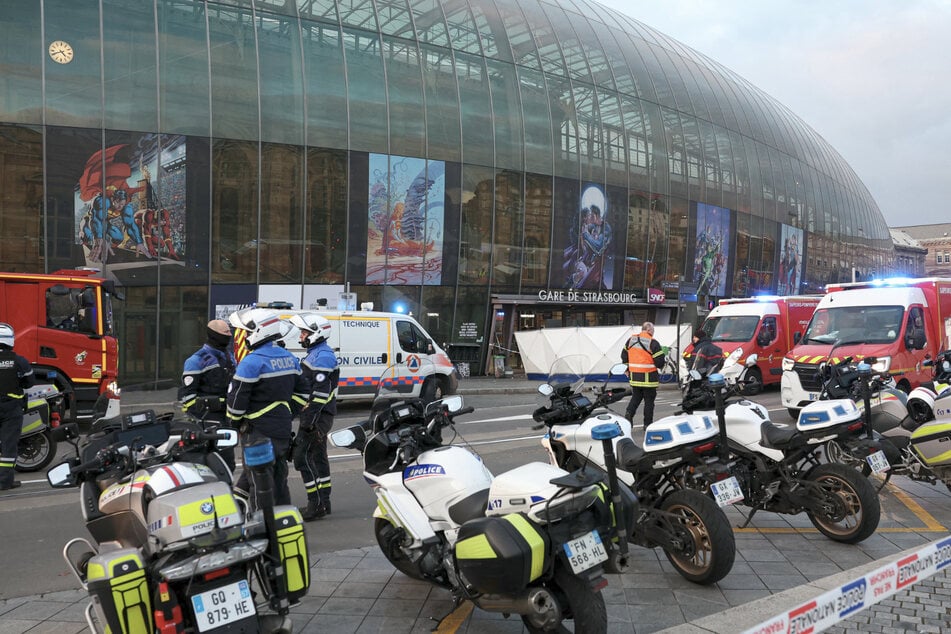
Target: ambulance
368	343
768	326
896	324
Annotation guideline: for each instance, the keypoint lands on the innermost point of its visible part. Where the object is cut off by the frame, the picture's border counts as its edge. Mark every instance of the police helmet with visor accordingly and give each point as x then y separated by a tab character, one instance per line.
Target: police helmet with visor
316	326
7	336
263	325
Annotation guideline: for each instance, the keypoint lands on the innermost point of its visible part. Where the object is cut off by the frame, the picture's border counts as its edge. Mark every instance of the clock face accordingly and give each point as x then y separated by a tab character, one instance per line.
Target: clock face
61	52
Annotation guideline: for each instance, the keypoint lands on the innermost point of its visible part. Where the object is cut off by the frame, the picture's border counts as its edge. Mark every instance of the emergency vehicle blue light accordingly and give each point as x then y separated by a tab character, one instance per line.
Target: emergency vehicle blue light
893	281
716	380
605	431
399	308
259	454
766	298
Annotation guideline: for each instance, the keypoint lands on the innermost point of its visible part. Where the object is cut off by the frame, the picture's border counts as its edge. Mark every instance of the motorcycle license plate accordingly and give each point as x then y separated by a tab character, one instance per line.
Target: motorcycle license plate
878	462
727	491
585	551
223	605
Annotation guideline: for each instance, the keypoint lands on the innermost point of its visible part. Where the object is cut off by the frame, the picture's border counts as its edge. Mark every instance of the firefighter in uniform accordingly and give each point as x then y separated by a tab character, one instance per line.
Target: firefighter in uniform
16	374
317	418
205	379
644	357
267	391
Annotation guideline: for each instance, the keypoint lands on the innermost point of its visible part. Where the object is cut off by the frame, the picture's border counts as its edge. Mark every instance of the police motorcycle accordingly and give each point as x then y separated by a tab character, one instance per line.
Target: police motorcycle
933	399
778	466
533	541
695	534
172	549
45	406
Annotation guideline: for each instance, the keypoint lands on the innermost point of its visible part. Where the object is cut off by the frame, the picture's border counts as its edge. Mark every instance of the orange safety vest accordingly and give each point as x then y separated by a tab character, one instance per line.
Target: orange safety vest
640	362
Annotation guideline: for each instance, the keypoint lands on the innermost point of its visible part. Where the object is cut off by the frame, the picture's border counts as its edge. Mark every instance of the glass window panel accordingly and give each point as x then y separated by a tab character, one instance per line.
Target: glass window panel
477	143
183	178
546	43
70	234
394	18
636	128
182	319
538	124
183	67
506	115
435	313
326	86
537	232
712	176
366	83
315	9
475	242
74	88
676	151
638	227
129	66
358	13
21	96
325	247
234	73
519	35
677	83
136	319
489	23
405	83
615	147
468	329
630	52
463	35
234	211
590	140
443	134
566	226
282	194
507	245
591	44
564	127
21	203
568	40
676	220
282	81
429	22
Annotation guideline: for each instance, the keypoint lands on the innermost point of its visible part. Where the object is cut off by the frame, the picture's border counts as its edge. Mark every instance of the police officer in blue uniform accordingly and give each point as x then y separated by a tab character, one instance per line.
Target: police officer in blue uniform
16	374
321	374
205	379
267	391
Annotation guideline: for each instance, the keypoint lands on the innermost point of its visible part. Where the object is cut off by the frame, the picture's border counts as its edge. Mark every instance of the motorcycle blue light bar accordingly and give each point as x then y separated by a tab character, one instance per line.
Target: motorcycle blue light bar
864	368
606	431
716	380
259	454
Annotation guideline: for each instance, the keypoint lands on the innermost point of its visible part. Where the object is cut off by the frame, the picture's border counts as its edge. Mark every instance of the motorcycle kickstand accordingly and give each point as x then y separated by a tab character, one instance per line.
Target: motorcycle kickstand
749	518
888	476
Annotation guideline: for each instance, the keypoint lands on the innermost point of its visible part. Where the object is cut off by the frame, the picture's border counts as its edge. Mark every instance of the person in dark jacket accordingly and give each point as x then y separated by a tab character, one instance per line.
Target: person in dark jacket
644	357
16	375
707	356
267	391
205	379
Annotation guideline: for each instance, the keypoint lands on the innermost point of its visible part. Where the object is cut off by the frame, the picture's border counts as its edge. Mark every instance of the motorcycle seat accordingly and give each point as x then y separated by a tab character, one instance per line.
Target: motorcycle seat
775	437
629	455
469	507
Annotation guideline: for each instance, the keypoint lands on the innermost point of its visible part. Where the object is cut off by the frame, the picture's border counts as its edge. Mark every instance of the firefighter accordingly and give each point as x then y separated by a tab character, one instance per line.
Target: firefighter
16	374
317	418
267	391
644	357
205	379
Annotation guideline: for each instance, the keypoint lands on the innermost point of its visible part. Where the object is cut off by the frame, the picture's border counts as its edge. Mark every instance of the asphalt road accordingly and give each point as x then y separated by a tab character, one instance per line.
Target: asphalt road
36	521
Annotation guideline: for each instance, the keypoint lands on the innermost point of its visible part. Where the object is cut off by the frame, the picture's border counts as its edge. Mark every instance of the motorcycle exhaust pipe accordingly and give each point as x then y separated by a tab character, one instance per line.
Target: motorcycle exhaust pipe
538	604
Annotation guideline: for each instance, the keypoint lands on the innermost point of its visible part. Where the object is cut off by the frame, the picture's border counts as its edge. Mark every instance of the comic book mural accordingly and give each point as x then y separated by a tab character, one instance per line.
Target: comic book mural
790	260
406	216
129	203
711	250
588	259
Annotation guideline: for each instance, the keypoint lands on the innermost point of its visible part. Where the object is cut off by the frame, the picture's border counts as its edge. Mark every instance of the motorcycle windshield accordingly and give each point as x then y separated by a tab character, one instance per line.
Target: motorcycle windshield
399	382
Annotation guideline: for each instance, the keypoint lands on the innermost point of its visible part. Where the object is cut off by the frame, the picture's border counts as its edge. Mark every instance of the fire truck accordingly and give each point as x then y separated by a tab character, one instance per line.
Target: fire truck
64	327
895	324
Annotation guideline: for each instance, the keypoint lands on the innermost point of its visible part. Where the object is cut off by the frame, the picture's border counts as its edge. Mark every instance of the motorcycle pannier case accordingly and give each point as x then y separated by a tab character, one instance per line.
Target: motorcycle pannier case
501	555
293	547
932	442
120	591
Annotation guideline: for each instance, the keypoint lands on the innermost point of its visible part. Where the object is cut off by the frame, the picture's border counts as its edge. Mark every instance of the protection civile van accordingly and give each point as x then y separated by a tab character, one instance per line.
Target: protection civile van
369	342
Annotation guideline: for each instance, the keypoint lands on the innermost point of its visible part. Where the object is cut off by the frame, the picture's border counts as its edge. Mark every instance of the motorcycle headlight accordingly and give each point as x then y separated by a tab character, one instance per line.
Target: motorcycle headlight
788	364
882	364
200	564
565	506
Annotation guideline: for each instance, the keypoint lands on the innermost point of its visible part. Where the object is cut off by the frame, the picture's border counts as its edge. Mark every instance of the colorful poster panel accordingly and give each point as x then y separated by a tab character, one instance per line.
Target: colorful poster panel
790	260
129	202
588	256
406	210
711	250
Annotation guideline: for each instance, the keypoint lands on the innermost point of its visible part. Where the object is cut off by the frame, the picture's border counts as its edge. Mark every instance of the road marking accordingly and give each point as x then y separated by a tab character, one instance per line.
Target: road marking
454	620
496	420
930	522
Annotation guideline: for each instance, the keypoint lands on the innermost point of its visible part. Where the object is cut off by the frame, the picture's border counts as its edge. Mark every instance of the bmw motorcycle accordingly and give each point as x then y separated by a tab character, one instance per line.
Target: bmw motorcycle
695	534
532	541
932	400
45	405
172	549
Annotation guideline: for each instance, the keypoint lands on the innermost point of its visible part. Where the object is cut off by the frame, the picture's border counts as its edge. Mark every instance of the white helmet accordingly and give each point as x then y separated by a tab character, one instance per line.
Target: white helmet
316	325
263	324
6	335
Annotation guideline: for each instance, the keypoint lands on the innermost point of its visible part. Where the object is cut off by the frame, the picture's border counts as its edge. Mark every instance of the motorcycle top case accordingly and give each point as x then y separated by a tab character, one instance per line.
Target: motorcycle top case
519	489
820	415
120	591
678	430
932	442
501	555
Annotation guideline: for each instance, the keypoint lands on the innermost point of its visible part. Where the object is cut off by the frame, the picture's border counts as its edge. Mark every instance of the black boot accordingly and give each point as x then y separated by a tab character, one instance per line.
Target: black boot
314	511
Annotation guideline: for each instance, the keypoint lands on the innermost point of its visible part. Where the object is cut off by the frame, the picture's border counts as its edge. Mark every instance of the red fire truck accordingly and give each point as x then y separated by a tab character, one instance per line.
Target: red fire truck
63	322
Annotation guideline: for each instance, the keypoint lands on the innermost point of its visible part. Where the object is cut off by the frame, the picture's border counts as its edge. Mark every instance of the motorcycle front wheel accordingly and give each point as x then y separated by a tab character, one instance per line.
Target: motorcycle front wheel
388	537
581	606
35	452
855	510
711	545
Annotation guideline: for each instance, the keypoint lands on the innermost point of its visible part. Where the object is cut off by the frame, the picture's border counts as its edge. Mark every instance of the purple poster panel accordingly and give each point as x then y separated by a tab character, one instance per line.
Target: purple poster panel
711	250
790	261
588	260
130	202
406	214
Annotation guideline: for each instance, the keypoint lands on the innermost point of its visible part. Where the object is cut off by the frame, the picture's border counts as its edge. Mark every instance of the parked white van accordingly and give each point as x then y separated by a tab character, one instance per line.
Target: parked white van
369	342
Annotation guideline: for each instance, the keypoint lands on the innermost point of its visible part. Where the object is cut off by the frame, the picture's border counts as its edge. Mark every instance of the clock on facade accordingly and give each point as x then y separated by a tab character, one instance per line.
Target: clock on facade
61	52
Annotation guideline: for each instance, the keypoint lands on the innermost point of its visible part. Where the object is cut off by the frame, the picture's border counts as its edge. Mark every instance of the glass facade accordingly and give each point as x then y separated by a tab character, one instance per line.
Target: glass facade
437	157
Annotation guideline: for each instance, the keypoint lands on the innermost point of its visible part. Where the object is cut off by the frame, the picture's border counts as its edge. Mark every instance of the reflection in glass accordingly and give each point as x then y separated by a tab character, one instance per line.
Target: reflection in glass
405	92
21	96
326	216
234	73
538	210
366	85
73	89
129	65
475	242
234	211
281	77
183	67
325	81
507	247
280	246
21	208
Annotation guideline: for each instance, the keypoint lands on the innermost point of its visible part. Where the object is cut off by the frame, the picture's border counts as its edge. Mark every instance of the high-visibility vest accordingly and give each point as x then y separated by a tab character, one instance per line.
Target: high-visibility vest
640	362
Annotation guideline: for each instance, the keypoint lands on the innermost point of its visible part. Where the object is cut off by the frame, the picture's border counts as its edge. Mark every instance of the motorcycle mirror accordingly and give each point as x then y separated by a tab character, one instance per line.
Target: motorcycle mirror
60	477
349	438
226	438
65	432
751	360
545	389
618	369
695	375
451	403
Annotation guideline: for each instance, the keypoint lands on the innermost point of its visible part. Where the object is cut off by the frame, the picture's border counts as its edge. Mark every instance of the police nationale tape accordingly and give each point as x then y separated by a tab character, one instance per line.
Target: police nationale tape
840	603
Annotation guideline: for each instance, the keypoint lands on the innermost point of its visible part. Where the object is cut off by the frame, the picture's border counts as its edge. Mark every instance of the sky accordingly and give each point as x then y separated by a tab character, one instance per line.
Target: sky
872	77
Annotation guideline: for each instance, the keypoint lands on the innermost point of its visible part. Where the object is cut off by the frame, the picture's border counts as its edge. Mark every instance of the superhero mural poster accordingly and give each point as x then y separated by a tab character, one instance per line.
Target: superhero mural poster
790	261
406	219
129	203
711	250
588	262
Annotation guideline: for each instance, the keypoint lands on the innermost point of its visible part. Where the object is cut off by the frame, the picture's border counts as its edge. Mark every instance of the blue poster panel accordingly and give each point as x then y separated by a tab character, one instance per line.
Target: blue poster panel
790	261
588	254
711	250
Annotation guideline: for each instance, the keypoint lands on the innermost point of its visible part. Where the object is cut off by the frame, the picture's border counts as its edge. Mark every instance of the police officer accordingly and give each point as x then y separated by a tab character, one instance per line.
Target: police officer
321	374
16	374
644	357
267	391
205	379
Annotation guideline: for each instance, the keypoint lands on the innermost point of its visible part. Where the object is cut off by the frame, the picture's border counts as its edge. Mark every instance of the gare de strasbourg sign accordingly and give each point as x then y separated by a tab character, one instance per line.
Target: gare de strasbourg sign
654	296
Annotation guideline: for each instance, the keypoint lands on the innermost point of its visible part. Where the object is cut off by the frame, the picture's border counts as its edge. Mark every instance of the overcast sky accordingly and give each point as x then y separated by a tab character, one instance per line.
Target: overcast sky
873	77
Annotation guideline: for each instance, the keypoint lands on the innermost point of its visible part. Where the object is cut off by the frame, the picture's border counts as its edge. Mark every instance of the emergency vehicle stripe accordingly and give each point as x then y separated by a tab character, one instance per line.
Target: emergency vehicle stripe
240	344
